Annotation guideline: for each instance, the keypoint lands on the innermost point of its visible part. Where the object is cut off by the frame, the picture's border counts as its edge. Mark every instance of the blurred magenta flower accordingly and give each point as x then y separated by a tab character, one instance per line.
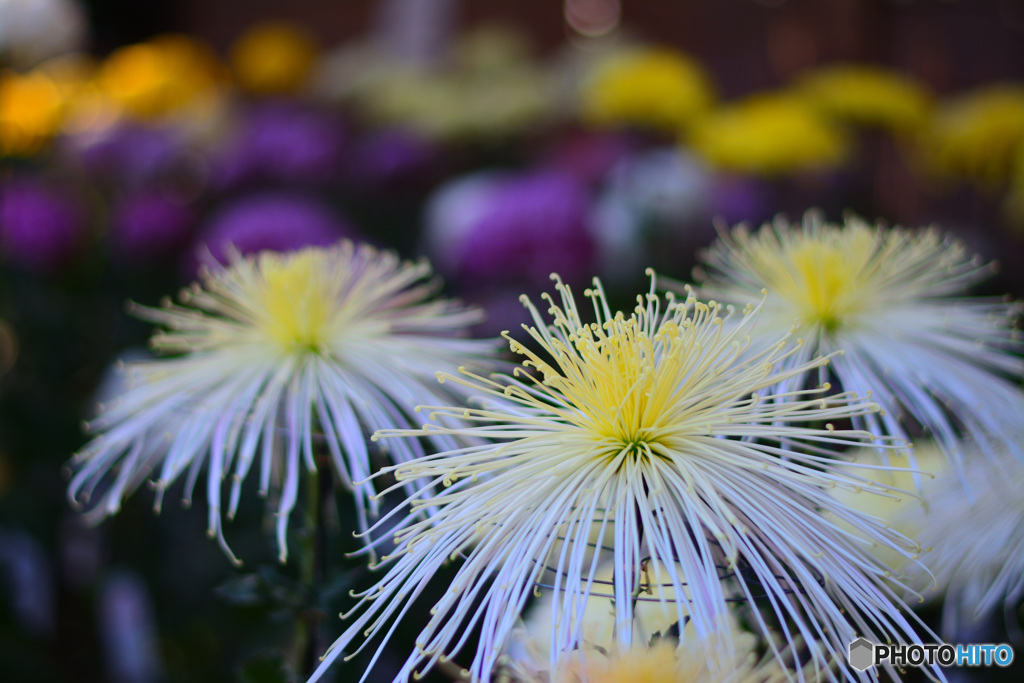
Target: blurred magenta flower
148	225
277	221
40	227
591	155
516	228
280	142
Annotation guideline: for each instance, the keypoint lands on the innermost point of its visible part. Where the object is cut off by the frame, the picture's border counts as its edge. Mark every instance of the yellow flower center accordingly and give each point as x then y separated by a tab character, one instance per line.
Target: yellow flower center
622	379
620	360
299	298
826	277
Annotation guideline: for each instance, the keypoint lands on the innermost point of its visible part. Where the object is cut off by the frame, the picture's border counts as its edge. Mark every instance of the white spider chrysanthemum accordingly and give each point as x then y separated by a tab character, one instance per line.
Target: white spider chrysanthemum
976	548
643	438
892	301
343	339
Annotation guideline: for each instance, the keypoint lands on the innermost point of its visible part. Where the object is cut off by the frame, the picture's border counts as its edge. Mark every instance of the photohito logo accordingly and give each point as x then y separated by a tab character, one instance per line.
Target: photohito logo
864	654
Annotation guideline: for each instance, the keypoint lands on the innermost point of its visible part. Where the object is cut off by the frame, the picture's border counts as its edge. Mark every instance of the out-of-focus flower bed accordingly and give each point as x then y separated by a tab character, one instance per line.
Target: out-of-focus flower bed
151	142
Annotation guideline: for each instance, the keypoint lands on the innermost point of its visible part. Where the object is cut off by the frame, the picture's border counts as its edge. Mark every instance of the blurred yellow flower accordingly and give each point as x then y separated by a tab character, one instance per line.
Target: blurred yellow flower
867	95
1013	204
30	112
58	96
491	47
71	73
976	134
914	473
650	87
85	105
273	58
664	649
162	76
657	663
460	105
769	134
486	86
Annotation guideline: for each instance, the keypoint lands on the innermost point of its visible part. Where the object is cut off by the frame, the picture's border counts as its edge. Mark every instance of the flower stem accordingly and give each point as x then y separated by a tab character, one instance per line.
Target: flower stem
307	642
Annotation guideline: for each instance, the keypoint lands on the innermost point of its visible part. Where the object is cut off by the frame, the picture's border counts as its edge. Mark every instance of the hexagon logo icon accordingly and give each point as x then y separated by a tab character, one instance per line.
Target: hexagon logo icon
861	654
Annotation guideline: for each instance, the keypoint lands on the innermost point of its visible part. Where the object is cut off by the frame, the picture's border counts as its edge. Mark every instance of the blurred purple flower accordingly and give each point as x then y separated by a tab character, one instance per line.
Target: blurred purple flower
148	225
275	221
488	230
652	211
738	199
536	225
280	142
128	629
131	152
385	158
502	307
24	562
40	228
